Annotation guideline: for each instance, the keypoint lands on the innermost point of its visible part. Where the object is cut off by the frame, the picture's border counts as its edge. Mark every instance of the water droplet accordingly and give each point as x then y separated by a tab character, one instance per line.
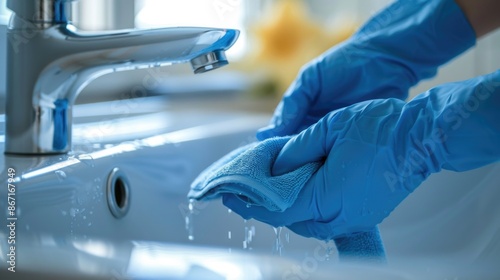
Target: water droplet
244	244
73	212
278	245
287	237
248	205
229	211
89	224
246	235
87	159
81	199
61	176
276	230
64	213
329	248
249	235
84	217
189	220
27	227
91	212
229	235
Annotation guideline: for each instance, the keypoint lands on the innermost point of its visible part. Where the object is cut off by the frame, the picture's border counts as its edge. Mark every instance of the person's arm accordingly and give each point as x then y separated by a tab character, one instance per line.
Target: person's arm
483	15
401	45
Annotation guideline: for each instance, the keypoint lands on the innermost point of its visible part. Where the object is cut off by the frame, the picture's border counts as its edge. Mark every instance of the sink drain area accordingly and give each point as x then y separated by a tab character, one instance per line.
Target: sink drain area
118	193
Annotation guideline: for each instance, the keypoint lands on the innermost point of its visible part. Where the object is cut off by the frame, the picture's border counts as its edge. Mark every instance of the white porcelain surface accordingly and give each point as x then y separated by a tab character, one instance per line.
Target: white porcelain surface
3	31
104	259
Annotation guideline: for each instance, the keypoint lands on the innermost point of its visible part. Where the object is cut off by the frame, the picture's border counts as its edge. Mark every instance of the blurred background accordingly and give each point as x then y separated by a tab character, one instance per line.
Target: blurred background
277	38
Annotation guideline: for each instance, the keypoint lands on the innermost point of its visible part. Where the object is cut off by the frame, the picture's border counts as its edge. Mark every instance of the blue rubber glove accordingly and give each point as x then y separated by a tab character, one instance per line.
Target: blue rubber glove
377	152
397	48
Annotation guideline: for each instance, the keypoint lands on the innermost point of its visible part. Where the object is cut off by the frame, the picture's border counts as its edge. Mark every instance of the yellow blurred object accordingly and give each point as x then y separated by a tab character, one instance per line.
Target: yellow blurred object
287	32
287	39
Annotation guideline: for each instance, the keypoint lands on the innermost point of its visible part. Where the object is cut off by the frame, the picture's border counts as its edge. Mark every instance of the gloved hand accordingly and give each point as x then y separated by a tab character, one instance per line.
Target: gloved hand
377	152
397	48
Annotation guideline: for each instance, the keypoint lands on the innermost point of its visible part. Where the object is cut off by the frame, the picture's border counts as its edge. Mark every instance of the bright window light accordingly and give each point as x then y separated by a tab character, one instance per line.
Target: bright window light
2	6
217	13
4	13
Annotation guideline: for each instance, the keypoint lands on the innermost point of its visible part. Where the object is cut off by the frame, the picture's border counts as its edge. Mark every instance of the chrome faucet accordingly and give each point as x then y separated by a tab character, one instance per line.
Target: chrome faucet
49	62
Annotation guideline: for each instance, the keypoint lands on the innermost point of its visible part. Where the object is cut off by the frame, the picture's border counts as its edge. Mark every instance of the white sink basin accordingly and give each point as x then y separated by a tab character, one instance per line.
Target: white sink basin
158	154
63	201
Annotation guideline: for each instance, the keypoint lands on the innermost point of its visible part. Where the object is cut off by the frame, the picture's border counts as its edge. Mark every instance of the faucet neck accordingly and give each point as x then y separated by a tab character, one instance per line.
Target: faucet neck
49	63
42	13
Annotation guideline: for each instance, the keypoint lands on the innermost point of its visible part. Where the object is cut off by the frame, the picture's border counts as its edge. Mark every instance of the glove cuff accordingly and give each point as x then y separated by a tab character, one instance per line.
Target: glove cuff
422	35
453	126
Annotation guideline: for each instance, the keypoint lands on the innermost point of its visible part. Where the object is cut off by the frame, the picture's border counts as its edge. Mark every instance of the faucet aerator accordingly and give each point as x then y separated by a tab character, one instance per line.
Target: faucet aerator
209	61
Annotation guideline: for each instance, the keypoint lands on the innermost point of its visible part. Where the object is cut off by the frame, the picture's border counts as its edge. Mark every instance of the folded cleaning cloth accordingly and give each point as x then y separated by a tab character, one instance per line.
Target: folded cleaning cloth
246	172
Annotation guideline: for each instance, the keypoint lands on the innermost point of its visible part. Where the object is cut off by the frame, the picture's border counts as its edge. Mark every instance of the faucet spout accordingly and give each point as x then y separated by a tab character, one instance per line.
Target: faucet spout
47	71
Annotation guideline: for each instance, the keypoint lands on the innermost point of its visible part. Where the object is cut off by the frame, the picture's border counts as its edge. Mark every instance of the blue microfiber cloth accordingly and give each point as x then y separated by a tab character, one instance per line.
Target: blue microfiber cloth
364	246
246	172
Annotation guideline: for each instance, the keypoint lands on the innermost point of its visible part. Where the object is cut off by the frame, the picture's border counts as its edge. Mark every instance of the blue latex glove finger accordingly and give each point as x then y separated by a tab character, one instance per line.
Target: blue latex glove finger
354	161
317	144
313	229
276	219
304	229
303	209
389	54
323	84
297	110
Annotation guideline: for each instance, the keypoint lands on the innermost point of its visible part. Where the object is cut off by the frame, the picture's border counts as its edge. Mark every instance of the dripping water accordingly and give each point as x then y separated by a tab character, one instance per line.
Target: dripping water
189	220
278	245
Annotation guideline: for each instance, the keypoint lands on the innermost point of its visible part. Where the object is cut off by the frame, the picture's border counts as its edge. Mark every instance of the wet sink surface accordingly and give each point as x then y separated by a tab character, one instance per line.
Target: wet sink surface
64	199
158	153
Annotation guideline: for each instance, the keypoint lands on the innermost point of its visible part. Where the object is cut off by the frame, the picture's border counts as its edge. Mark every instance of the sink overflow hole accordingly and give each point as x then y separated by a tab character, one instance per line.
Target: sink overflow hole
118	193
